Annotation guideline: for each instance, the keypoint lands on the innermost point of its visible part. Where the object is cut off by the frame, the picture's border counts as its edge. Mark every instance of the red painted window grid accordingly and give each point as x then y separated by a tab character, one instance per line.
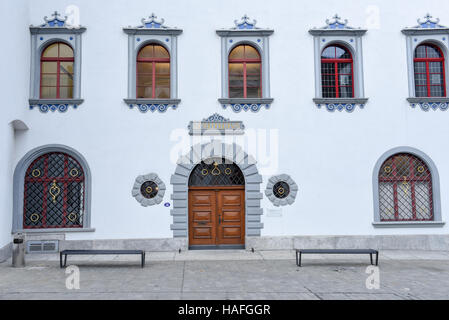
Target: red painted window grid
46	182
153	62
336	61
245	61
427	61
411	178
58	60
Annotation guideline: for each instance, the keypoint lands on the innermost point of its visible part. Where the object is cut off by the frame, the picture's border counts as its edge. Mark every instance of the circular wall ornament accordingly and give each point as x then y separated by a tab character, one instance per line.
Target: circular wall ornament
281	190
148	189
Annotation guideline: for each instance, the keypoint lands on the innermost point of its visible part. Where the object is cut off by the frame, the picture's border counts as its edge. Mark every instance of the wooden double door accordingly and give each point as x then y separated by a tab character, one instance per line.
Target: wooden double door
217	216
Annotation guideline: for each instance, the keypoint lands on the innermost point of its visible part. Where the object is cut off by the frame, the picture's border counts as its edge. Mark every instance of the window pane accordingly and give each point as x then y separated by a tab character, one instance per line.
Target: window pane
386	204
344	68
345	80
236	75
329	92
421	79
145	68
436	67
433	52
66	92
436	91
421	91
66	80
144	80
146	52
51	51
328	53
328	80
420	67
422	198
48	79
162	90
49	67
163	69
253	92
66	67
251	53
65	51
48	92
160	52
144	92
236	92
345	92
420	52
162	93
237	53
327	68
436	78
253	68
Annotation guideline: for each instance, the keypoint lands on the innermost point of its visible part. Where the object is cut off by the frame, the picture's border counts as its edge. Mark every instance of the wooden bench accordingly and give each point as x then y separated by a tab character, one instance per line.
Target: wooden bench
65	253
300	252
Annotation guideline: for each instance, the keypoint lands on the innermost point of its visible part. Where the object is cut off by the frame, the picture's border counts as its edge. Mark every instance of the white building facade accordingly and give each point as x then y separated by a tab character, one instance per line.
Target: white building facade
117	116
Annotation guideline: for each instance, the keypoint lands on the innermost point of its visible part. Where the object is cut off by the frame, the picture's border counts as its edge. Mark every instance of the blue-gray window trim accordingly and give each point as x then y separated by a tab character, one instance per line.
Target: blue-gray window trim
437	218
18	188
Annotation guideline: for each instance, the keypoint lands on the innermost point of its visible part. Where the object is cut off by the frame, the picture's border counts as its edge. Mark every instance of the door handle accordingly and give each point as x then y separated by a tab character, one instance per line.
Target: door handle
219	219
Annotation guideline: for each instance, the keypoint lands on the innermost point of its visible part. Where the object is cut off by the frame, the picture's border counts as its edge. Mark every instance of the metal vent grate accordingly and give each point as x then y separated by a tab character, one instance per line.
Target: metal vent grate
47	246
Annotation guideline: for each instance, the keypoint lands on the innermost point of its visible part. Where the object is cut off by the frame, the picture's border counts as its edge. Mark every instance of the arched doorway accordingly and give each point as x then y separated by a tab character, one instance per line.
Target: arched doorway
216	205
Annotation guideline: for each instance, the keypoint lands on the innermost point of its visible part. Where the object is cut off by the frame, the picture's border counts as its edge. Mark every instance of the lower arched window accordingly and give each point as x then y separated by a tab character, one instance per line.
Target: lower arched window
54	192
405	189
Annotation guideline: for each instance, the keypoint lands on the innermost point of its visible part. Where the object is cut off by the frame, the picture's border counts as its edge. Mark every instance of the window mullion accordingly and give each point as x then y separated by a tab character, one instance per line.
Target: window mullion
337	89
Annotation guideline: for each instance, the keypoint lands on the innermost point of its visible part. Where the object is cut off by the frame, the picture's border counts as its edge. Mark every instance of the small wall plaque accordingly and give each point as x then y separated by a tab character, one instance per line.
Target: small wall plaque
216	125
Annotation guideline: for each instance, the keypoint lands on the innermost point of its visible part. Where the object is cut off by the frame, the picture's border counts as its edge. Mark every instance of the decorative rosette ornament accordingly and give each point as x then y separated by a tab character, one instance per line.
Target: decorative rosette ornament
148	190
281	190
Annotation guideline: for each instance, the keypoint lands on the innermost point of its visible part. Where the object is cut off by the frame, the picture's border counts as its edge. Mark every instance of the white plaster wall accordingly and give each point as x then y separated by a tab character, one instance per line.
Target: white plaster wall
14	71
329	155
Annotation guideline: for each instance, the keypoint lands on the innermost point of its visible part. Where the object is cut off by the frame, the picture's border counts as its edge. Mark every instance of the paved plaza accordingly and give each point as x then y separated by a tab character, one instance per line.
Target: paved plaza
231	275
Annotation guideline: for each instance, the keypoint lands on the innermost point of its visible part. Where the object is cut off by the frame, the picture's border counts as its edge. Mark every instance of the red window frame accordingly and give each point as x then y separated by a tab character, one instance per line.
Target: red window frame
428	73
58	60
66	179
336	61
398	178
245	61
153	61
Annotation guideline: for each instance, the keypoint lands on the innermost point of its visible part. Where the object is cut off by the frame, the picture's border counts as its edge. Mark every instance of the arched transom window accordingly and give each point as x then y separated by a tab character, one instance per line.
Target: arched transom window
429	71
153	72
405	189
245	72
337	78
54	193
216	172
56	80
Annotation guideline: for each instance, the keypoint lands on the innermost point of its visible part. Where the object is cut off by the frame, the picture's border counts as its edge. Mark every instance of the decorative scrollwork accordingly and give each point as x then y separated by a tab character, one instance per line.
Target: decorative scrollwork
148	190
35	217
36	173
281	190
72	216
54	191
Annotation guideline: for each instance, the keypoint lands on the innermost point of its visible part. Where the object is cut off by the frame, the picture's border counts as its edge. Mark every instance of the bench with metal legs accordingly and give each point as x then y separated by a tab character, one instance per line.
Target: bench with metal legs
300	252
65	253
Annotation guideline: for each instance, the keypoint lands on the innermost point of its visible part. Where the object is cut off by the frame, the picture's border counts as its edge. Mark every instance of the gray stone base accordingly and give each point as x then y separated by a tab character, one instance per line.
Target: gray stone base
6	252
384	242
169	244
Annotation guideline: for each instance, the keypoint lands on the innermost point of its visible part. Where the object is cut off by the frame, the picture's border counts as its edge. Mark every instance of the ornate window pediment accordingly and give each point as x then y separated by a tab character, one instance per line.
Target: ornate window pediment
55	30
152	32
255	90
216	125
428	92
337	33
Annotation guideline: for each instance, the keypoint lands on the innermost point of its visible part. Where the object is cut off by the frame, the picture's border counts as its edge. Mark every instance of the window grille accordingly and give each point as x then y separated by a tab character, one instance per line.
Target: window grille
405	189
217	173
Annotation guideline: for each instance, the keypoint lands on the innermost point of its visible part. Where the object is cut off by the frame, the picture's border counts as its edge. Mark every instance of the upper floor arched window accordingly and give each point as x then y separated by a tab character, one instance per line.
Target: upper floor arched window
245	72
56	79
405	189
54	192
429	71
153	72
337	76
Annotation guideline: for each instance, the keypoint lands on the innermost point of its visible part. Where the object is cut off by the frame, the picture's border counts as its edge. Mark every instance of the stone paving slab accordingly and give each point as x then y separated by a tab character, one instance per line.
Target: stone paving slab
231	275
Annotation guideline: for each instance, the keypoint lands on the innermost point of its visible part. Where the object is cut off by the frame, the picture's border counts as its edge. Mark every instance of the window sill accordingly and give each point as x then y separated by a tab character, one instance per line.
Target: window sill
245	104
427	103
144	105
61	105
340	104
54	230
408	224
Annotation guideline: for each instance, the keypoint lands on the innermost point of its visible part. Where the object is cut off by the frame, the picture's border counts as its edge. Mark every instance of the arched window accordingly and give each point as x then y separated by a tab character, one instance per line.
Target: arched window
429	71
153	72
216	173
56	80
54	193
245	72
405	189
337	77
